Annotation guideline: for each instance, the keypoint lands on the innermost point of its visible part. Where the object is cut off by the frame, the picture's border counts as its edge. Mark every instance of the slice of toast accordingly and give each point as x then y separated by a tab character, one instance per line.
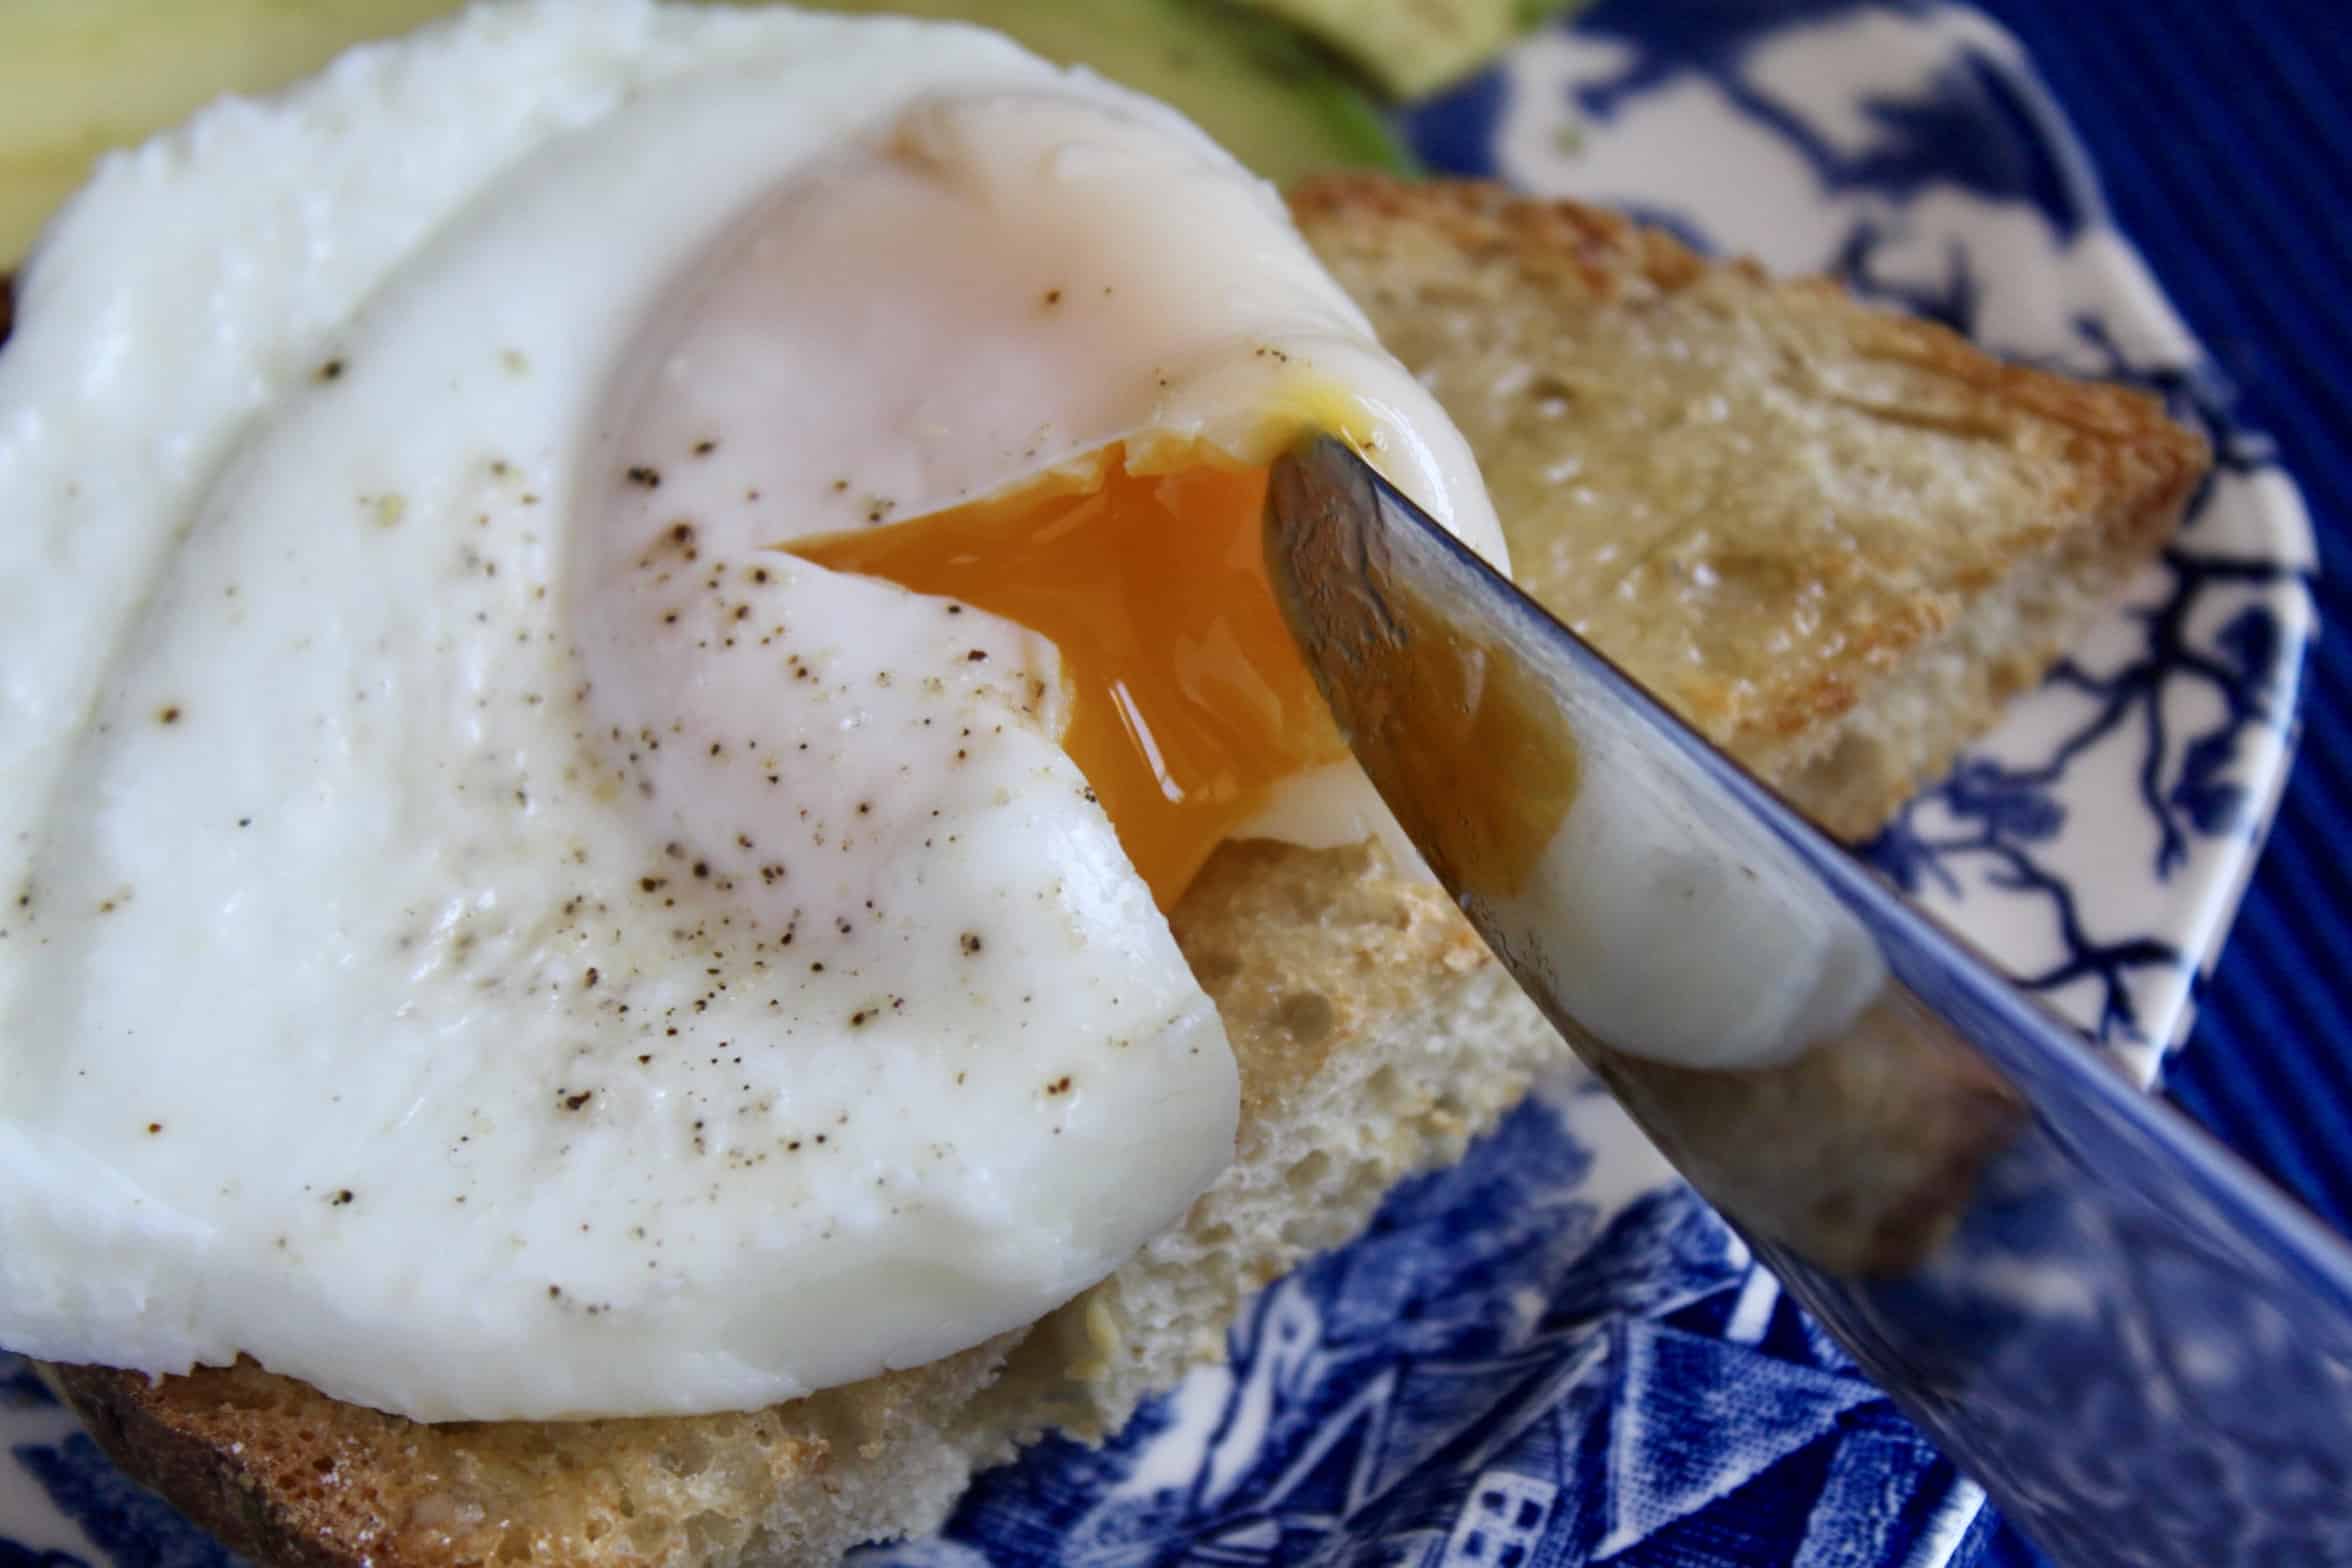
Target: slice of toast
1835	539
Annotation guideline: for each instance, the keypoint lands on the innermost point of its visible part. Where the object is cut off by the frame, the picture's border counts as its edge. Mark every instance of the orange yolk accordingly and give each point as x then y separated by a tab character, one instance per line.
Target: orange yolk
1189	701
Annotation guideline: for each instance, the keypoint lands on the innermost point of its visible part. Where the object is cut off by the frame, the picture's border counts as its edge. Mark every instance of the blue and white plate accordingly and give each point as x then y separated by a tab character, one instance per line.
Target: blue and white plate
1554	1353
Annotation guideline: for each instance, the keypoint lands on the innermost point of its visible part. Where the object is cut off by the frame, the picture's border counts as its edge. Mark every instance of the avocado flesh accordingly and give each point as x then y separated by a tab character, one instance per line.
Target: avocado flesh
1411	47
81	76
1251	83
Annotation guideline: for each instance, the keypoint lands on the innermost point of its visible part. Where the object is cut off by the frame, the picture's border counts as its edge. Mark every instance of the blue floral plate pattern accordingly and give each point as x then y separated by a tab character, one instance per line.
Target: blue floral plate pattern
1554	1354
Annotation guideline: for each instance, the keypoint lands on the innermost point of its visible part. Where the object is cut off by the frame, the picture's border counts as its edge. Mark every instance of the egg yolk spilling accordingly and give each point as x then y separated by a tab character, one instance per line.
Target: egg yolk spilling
1189	702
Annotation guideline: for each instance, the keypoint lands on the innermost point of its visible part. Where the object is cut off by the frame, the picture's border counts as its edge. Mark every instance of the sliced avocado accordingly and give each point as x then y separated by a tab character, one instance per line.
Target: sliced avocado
1267	95
80	76
1411	47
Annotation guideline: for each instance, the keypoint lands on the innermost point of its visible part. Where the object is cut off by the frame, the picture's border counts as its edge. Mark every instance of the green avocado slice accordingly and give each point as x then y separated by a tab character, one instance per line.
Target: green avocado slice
1411	47
80	76
1270	97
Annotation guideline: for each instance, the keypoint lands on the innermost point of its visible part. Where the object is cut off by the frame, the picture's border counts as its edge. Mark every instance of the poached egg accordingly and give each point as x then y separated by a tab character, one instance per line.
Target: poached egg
619	623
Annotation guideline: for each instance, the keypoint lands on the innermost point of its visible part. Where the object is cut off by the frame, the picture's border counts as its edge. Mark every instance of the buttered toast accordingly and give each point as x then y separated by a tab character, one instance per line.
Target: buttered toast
1834	538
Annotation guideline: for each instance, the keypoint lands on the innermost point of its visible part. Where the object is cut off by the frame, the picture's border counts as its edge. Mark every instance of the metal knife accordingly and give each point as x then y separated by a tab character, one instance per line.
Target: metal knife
2092	1307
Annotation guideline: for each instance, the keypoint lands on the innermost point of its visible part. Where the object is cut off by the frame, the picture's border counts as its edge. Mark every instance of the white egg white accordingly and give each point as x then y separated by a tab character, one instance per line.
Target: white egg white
485	931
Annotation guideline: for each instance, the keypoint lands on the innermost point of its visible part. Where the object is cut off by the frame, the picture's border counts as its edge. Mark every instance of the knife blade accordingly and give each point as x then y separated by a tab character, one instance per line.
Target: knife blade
2094	1309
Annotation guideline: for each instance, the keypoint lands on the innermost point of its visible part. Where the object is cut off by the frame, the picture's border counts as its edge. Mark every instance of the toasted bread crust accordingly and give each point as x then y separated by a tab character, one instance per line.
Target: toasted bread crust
253	1500
1834	538
205	1481
289	1477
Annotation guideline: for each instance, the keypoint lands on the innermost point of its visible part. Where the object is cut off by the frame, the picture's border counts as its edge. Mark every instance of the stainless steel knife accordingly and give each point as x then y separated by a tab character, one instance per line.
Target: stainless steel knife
2086	1302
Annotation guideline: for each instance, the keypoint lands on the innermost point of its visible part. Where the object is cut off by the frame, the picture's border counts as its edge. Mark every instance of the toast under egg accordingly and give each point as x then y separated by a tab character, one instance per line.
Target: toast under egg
1873	537
1834	538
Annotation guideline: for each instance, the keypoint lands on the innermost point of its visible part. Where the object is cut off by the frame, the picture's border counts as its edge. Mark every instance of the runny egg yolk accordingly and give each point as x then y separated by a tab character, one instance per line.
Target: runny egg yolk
1189	702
